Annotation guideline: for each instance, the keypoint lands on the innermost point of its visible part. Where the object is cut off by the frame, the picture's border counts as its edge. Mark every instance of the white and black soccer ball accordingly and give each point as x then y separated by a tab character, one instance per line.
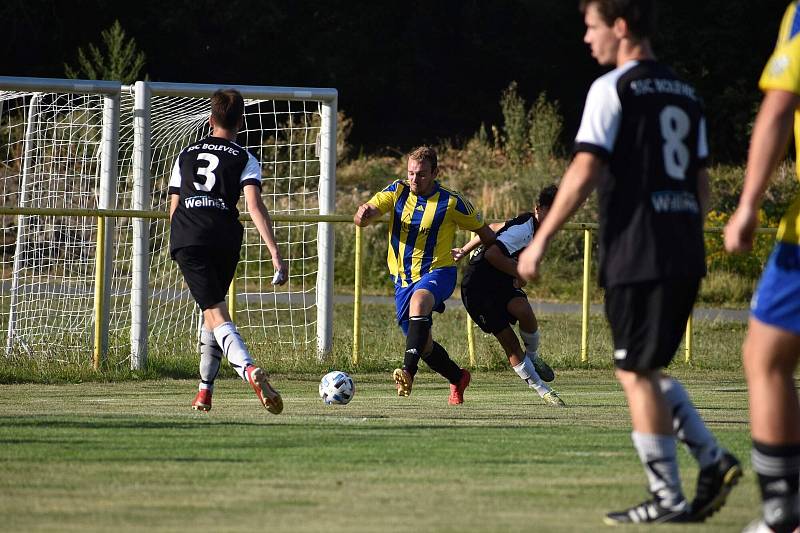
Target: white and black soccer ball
336	387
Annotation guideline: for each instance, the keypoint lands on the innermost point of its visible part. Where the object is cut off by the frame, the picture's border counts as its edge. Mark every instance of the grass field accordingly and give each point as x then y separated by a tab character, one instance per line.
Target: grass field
121	450
132	456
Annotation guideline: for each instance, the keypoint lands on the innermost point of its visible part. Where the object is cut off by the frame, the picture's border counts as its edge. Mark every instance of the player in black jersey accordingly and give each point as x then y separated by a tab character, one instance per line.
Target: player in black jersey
492	295
642	143
206	239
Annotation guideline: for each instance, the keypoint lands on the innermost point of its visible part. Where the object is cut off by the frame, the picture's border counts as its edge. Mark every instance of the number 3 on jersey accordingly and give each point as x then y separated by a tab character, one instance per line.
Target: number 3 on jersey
675	127
207	172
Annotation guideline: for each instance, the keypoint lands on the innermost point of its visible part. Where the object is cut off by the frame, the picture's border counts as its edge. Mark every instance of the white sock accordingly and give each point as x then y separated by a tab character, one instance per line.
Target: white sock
527	372
658	456
531	341
210	357
687	424
233	347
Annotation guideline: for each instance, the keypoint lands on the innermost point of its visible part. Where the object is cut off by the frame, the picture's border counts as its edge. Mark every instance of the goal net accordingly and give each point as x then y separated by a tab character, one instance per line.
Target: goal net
61	292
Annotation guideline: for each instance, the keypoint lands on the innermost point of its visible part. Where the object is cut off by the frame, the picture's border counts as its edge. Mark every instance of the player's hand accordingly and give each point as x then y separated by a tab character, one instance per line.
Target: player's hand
281	272
457	253
529	262
740	230
364	213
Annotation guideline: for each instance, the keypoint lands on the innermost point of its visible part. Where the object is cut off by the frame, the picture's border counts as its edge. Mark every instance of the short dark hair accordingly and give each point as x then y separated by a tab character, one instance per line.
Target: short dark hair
227	108
546	196
425	153
639	14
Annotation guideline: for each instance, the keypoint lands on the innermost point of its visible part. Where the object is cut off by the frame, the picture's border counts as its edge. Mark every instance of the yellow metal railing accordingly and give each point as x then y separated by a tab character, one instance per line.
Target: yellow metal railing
357	299
587	267
99	292
102	252
102	214
587	229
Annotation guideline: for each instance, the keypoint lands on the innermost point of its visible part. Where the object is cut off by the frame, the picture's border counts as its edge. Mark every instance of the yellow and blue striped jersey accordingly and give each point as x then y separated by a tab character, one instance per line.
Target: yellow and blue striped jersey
422	228
782	72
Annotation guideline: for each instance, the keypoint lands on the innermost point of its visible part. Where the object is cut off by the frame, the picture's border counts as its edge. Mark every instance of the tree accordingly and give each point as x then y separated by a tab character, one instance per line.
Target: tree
121	61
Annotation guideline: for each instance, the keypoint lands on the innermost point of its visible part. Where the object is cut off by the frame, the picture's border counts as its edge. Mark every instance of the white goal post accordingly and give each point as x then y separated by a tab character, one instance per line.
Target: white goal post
69	148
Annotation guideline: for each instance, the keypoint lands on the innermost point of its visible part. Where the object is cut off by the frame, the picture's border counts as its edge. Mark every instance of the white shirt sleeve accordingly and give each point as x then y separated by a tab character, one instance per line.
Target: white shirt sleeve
252	171
516	237
175	177
601	115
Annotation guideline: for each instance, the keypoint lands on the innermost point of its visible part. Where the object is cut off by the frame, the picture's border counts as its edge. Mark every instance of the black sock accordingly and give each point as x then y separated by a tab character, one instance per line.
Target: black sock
778	469
419	328
440	362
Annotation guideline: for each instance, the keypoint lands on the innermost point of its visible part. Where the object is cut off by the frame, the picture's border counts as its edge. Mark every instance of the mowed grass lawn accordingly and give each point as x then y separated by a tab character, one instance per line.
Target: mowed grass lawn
132	456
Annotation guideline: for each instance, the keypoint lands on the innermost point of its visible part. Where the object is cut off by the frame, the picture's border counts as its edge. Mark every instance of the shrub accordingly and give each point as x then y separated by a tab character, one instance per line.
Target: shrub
545	129
515	128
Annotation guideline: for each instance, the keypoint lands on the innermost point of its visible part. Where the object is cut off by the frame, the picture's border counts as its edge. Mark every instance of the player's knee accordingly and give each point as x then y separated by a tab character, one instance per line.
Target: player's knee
765	364
635	377
422	302
520	309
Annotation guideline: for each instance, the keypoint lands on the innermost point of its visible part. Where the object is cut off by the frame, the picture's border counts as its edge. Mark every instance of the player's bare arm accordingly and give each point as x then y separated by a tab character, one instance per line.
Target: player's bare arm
174	199
486	235
501	261
581	178
365	214
771	133
458	253
263	223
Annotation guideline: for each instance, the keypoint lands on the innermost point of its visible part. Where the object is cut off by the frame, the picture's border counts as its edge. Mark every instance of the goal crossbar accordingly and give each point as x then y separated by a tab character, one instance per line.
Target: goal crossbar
121	177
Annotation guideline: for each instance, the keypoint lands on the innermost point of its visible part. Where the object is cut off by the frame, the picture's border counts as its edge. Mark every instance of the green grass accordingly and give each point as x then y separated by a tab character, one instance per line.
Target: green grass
121	450
133	456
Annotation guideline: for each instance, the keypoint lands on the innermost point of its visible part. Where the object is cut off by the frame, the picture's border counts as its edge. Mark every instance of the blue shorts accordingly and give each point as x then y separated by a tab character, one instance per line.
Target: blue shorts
777	299
441	282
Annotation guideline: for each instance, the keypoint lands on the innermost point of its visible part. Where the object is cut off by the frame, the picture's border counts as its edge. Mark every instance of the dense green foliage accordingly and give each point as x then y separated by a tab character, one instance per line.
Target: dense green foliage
119	59
408	72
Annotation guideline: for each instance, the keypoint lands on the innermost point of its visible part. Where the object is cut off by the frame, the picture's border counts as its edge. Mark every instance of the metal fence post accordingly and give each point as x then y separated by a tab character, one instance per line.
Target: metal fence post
587	267
357	299
688	337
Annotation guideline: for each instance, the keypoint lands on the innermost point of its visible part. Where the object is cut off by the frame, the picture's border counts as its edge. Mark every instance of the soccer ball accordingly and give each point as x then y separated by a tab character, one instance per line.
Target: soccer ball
336	387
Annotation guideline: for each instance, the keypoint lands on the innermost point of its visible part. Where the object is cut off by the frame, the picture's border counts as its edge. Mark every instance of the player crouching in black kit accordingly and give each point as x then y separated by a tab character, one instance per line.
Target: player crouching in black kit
206	239
492	295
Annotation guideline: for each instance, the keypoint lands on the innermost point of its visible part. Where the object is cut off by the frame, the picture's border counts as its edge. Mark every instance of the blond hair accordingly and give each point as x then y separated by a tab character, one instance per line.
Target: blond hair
424	153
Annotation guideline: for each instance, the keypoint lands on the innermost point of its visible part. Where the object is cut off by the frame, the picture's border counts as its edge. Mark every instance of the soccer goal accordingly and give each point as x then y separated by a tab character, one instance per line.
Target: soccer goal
74	283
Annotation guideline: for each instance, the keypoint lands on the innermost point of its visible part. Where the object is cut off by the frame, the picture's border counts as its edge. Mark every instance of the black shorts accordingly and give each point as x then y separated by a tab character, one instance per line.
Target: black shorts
208	272
648	321
488	305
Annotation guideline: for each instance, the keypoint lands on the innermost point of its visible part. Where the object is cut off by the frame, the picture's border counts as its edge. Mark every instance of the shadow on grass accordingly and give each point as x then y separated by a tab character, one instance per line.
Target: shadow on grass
115	422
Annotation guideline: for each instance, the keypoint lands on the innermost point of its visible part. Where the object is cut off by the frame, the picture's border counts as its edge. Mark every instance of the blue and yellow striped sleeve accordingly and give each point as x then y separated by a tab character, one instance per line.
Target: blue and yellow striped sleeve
384	200
782	71
465	215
